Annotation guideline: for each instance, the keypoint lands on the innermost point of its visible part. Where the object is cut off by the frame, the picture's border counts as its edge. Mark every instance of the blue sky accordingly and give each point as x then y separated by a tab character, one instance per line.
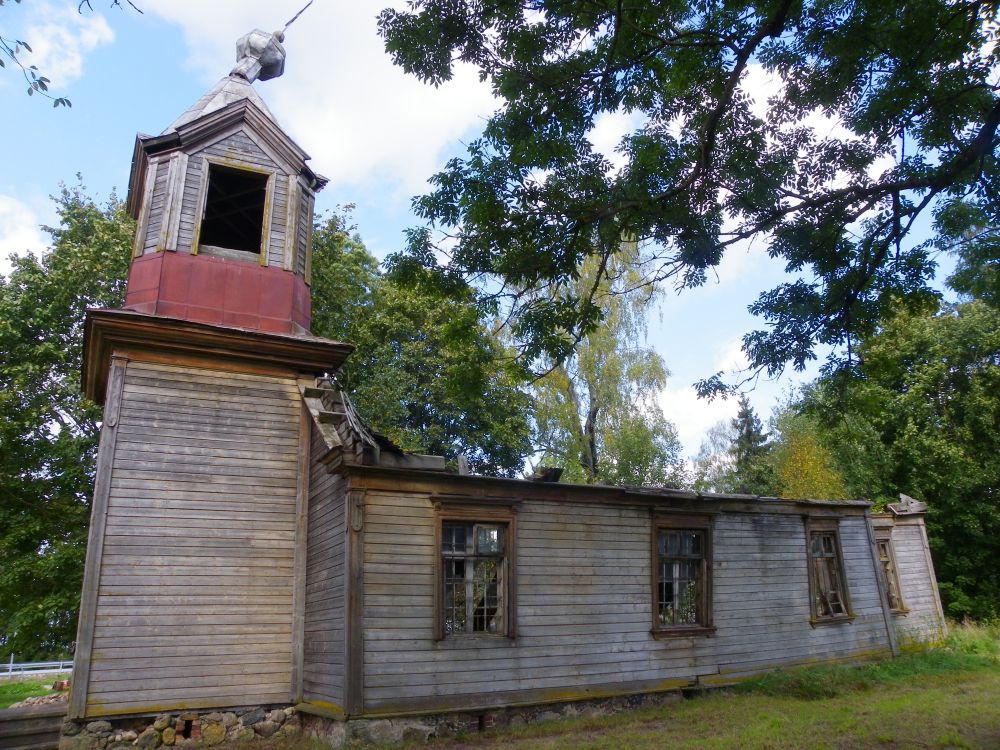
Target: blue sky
377	134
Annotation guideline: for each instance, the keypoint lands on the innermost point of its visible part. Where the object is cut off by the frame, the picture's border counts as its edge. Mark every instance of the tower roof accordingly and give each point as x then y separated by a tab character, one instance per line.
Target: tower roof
232	88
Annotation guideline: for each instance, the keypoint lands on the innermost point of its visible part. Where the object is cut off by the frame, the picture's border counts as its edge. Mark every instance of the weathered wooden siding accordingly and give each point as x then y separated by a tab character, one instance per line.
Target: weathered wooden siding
304	228
923	623
155	222
195	595
325	651
585	611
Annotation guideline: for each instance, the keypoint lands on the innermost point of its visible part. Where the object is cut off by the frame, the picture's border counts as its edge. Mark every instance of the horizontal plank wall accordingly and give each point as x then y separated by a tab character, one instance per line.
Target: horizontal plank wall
923	621
194	602
584	610
323	669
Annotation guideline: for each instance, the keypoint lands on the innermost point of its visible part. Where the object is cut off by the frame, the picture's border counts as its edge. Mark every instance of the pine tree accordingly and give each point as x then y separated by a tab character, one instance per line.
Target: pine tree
750	451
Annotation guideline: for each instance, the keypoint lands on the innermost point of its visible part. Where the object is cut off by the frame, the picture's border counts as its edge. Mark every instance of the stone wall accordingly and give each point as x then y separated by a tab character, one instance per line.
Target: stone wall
184	729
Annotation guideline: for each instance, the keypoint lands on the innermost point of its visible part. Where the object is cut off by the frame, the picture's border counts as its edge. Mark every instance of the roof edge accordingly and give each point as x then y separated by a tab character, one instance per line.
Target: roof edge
107	330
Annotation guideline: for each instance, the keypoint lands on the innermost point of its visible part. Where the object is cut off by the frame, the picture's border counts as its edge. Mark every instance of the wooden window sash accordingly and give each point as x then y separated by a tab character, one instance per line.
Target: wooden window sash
703	581
887	558
828	586
491	515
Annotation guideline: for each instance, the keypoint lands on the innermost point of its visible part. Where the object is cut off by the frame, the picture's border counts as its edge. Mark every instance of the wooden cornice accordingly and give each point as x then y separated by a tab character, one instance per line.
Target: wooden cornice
108	330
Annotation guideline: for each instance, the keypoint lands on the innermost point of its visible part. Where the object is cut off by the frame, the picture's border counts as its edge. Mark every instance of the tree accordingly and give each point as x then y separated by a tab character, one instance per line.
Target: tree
426	371
803	465
596	412
751	469
907	89
48	430
922	416
735	456
713	466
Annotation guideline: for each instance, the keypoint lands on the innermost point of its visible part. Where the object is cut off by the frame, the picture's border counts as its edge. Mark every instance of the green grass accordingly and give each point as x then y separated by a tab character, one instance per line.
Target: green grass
12	691
945	698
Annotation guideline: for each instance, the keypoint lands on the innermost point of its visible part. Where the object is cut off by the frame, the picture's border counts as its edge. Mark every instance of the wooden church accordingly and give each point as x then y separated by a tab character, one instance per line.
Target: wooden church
253	543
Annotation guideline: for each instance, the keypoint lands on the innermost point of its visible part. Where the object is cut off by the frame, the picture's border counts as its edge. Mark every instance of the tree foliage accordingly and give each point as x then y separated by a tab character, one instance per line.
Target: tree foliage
736	456
751	466
596	413
713	466
882	111
48	430
803	465
922	417
426	371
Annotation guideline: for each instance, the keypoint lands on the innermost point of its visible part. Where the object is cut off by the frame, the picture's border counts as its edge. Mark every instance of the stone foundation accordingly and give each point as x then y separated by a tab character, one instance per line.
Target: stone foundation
186	729
204	729
380	732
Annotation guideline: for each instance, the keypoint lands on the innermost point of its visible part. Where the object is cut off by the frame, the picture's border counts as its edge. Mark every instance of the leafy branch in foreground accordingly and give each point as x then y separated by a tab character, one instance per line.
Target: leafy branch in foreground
882	111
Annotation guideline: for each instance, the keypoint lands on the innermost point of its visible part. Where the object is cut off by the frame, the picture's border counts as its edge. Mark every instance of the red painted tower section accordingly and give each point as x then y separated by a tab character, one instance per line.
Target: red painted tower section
241	294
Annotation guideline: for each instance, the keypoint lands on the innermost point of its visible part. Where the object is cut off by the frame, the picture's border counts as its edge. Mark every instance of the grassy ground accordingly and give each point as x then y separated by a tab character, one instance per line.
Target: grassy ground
947	698
12	691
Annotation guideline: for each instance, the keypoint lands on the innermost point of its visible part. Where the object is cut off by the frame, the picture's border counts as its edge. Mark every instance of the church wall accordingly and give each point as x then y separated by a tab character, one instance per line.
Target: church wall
194	592
584	607
324	640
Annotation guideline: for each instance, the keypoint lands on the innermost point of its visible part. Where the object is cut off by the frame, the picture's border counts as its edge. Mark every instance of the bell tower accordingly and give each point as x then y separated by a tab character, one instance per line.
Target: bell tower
195	562
223	201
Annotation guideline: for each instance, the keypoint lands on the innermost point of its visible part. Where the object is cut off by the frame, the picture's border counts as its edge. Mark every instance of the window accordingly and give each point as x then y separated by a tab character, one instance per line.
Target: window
475	572
234	209
681	581
828	588
887	559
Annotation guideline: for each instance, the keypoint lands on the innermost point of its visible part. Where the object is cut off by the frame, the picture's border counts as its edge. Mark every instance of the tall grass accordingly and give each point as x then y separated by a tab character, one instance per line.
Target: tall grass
977	639
969	646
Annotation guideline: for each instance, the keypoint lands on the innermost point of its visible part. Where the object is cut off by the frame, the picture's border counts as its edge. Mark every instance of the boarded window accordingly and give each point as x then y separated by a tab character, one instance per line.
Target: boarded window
234	209
474	567
826	576
681	585
887	560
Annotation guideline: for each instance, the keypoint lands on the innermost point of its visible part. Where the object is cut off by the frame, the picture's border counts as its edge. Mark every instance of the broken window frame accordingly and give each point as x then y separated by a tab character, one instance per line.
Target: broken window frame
832	602
474	515
198	247
890	571
702	525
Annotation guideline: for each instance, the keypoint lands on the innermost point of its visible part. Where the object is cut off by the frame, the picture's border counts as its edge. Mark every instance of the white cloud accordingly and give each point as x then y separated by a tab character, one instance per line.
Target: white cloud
761	84
362	119
693	416
608	131
61	38
730	357
19	231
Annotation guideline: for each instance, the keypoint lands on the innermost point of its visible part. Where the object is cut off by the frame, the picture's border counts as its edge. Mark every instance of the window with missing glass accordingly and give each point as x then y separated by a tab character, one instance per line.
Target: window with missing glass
681	576
234	212
887	559
828	586
475	575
